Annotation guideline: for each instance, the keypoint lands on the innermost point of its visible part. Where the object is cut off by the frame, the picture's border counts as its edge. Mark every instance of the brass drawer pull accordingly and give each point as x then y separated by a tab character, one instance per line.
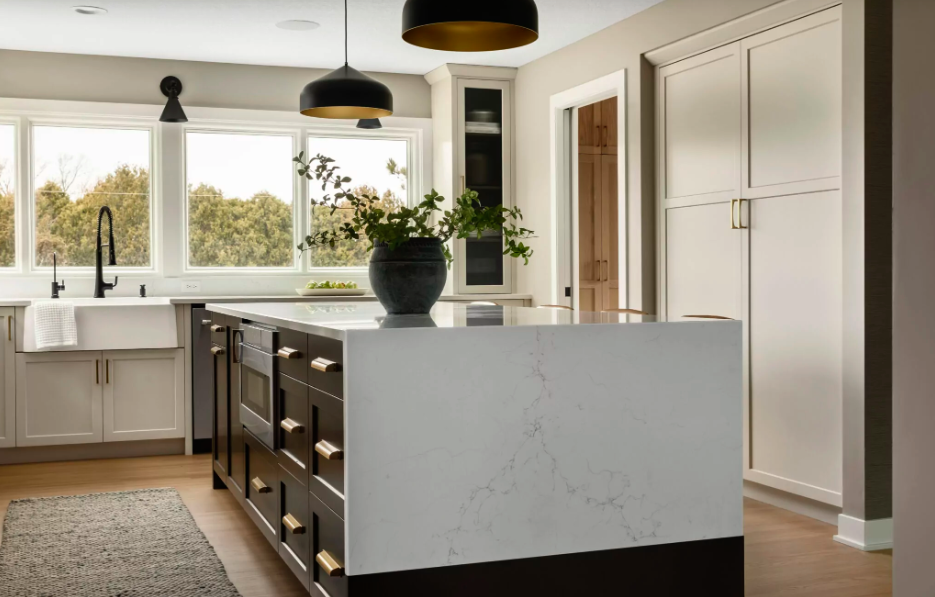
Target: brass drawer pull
216	350
325	366
217	328
288	353
260	486
329	451
329	564
292	426
292	523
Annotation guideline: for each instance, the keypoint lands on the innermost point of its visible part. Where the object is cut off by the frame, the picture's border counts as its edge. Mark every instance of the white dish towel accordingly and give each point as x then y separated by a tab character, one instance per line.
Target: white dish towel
55	325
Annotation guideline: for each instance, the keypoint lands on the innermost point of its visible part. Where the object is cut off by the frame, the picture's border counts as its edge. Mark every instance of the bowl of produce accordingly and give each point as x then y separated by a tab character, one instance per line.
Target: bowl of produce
329	288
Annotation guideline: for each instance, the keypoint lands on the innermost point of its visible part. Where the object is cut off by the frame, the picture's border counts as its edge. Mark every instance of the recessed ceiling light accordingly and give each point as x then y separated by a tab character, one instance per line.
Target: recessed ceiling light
89	10
298	25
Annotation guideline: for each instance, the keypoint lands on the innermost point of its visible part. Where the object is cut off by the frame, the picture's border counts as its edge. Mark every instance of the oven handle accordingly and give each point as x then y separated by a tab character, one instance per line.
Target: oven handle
235	343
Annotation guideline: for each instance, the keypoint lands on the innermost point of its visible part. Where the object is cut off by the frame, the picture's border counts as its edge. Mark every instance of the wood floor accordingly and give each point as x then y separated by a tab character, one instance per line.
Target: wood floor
787	555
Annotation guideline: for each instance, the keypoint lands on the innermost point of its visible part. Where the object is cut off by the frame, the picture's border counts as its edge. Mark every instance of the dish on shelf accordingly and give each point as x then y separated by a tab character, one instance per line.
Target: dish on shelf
482	128
331	291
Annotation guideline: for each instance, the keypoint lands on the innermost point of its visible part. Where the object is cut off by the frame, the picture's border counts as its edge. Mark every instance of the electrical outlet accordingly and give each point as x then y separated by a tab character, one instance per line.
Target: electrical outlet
191	286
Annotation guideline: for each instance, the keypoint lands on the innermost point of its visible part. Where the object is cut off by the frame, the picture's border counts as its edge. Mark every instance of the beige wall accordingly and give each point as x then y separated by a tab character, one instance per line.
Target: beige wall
620	46
914	294
39	75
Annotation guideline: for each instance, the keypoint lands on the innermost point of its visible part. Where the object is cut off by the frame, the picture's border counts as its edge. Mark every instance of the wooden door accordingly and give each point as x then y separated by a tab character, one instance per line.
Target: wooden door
610	266
609	126
699	128
144	394
590	244
7	380
703	262
589	129
59	398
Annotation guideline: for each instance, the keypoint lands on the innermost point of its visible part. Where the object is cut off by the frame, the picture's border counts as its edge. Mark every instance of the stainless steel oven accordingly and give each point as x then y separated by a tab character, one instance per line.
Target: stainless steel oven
258	381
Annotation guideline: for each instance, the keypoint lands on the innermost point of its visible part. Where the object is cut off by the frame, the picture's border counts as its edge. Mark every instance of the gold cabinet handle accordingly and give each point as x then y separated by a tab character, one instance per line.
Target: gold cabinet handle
292	426
292	523
329	450
260	486
325	366
217	350
329	564
288	353
217	328
9	328
605	270
97	371
740	225
733	226
107	370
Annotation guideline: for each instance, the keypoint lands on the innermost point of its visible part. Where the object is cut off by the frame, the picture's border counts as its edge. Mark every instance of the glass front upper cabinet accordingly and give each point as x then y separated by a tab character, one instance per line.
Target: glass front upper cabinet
484	119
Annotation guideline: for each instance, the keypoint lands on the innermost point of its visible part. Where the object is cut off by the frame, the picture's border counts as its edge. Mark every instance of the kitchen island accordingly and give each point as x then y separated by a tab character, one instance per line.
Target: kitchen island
484	450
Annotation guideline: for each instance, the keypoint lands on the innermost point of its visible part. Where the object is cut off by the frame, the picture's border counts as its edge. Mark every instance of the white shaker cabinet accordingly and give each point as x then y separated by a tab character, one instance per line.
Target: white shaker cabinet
143	394
7	380
58	398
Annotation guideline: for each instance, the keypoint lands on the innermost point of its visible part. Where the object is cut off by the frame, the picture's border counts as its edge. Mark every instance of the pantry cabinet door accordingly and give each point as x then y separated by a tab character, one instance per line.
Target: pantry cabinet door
58	398
143	394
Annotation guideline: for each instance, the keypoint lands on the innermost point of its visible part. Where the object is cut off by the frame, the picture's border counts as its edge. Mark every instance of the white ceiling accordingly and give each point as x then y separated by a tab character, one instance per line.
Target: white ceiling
244	31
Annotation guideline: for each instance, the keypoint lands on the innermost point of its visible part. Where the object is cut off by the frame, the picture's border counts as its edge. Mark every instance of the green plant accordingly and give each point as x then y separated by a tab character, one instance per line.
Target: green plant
467	218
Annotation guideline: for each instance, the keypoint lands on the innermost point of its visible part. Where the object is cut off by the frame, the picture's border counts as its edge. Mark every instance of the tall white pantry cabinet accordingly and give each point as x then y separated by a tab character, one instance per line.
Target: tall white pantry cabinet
749	142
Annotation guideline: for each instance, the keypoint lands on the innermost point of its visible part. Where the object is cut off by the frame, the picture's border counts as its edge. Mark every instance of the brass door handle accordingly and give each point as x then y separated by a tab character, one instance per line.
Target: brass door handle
329	564
217	350
325	366
292	523
740	225
292	426
107	370
733	226
329	450
9	328
97	371
288	353
217	328
606	272
598	262
259	486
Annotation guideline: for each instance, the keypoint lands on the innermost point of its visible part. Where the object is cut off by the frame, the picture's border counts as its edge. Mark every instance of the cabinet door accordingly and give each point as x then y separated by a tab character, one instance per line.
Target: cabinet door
590	247
702	262
792	108
610	264
609	126
221	397
699	128
7	380
589	129
143	394
238	466
59	398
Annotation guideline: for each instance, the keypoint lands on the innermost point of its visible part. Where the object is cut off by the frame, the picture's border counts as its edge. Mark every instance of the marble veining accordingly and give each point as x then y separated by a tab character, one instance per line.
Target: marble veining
482	444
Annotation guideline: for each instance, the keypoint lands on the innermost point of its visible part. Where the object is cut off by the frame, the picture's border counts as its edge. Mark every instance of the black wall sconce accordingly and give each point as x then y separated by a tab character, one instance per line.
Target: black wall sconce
369	123
171	87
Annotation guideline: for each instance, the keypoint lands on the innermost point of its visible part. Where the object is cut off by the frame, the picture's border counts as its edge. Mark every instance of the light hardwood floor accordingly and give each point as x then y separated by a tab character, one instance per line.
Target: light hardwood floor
787	555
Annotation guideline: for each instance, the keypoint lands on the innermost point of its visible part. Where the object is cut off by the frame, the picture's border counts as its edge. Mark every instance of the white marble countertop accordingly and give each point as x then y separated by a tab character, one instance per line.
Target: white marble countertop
190	299
333	319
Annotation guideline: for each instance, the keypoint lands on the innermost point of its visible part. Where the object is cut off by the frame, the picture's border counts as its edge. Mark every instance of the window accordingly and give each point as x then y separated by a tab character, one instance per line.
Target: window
7	196
240	200
377	167
77	171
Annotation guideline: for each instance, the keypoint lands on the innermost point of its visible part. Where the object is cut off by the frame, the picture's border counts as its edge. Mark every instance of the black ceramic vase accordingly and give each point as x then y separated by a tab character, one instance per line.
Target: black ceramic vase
409	279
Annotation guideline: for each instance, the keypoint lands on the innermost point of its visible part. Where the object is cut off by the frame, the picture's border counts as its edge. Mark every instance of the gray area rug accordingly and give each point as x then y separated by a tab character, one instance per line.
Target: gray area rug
127	544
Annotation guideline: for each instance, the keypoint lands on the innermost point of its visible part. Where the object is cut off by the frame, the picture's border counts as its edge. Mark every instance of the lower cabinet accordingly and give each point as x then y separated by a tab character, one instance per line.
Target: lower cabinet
92	397
7	380
261	493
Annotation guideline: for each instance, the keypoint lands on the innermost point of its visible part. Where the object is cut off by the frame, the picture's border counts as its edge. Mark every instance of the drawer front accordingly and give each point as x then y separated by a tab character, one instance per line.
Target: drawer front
293	352
261	491
219	329
294	428
326	477
322	351
295	528
327	549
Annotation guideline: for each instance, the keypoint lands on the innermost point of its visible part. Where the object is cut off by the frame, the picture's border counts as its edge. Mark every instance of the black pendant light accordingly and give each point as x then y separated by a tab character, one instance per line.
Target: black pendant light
171	87
369	123
471	26
346	93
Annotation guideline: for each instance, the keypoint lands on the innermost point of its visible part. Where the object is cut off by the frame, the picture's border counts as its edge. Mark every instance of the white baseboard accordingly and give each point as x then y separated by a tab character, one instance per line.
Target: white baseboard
794	503
866	535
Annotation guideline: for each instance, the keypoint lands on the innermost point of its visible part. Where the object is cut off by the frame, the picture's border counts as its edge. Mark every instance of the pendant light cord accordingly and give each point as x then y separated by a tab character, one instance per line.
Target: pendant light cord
345	32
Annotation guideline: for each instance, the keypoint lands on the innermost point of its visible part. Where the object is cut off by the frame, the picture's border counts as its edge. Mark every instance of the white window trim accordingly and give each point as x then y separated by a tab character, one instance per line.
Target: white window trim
168	180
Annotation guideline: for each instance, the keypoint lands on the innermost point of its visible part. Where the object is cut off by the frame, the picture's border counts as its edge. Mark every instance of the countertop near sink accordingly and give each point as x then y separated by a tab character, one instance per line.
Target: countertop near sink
190	299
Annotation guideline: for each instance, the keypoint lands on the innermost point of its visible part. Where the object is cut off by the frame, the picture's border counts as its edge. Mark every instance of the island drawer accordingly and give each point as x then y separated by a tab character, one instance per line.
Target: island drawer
326	449
325	365
294	427
293	354
261	491
295	526
328	577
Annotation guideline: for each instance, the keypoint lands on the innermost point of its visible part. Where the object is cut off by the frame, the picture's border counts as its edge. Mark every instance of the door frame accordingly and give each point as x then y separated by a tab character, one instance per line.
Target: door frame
563	135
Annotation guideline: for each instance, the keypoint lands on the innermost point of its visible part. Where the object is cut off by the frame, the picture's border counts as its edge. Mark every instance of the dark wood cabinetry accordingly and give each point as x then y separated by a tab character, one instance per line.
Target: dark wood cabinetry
221	438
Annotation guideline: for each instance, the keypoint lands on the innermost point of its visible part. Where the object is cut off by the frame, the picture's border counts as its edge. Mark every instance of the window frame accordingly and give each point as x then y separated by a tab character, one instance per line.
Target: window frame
106	123
18	235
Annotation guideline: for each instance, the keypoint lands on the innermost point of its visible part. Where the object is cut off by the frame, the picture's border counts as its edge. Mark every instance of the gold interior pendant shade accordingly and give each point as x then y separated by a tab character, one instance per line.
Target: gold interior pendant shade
479	26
